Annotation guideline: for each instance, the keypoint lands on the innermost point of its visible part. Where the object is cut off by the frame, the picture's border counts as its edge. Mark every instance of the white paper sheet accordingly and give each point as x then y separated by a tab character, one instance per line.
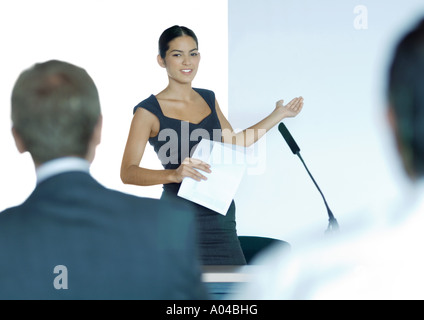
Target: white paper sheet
228	165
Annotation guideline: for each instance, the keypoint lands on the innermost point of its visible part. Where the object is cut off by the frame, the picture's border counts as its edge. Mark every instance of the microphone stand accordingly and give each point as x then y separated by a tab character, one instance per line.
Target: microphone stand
333	224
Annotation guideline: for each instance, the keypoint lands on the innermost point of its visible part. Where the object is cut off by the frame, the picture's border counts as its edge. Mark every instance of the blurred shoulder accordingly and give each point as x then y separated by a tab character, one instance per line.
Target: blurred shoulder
5	214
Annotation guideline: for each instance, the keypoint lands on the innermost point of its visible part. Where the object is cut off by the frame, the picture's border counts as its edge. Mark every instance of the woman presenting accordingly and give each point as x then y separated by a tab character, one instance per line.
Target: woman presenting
170	120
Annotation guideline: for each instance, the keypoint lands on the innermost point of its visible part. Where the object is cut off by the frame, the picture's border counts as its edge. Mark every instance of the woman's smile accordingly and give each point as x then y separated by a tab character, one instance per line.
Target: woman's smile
187	71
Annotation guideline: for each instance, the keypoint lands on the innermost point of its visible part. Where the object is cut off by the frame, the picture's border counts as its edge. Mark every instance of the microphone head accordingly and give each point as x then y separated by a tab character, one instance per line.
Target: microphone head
289	139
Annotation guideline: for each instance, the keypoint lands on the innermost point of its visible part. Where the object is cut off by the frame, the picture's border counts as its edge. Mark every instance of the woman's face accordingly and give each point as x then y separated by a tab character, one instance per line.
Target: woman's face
182	59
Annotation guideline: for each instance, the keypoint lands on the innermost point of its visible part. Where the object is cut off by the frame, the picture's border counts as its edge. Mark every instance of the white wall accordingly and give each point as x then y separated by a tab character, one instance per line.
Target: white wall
116	42
284	49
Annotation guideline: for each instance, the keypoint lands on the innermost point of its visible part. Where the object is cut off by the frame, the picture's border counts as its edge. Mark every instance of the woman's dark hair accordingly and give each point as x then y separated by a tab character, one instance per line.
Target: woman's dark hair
170	34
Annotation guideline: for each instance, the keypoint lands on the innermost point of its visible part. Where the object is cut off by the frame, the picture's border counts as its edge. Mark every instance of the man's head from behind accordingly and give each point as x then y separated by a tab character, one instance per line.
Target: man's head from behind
56	112
406	100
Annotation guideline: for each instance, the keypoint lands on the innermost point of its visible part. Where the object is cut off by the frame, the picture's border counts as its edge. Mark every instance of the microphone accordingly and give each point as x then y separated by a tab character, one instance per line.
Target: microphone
333	224
289	139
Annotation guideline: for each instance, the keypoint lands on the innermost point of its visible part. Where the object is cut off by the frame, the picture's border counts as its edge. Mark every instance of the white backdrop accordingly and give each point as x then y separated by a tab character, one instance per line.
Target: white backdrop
116	42
271	49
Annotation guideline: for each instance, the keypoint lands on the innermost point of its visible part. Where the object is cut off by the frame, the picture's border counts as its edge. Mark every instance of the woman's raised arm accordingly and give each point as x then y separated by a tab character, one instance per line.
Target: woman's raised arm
251	135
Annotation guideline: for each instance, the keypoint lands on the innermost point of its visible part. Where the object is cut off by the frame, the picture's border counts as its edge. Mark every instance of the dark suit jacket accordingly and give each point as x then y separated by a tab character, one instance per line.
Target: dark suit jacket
111	245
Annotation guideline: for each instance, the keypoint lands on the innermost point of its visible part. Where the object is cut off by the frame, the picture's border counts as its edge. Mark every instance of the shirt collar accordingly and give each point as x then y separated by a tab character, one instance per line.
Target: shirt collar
61	165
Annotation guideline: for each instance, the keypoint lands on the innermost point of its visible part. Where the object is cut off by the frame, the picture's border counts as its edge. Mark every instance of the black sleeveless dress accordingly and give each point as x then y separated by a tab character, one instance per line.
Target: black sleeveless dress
217	235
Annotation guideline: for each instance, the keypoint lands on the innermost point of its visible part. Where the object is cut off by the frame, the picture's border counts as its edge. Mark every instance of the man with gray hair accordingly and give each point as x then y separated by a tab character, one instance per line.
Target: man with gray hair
73	238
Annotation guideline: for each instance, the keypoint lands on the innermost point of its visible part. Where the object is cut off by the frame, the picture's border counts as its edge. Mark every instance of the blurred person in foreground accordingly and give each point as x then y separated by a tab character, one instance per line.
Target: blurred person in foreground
384	262
73	238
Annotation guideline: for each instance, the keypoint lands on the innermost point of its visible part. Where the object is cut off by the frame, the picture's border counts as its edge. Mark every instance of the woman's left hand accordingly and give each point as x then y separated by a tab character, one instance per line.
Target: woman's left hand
292	109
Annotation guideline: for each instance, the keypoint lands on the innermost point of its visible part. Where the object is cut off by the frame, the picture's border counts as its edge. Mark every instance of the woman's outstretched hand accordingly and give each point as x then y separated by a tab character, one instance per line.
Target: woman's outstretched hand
292	109
188	169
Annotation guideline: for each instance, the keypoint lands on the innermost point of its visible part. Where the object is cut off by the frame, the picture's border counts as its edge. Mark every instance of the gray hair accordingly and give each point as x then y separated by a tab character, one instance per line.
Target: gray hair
55	108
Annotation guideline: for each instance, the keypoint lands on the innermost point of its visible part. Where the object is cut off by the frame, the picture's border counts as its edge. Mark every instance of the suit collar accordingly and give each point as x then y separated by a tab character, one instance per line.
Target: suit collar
61	165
